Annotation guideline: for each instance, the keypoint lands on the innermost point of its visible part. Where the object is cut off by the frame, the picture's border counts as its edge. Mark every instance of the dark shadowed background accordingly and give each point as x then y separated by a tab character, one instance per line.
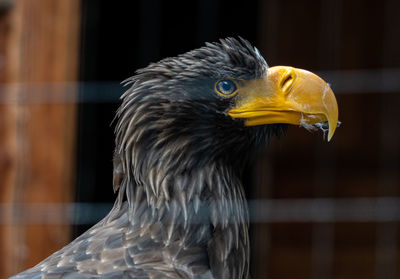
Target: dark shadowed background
319	210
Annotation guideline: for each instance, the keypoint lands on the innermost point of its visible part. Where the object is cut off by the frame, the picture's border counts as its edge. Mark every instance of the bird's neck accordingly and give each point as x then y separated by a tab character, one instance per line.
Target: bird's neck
202	209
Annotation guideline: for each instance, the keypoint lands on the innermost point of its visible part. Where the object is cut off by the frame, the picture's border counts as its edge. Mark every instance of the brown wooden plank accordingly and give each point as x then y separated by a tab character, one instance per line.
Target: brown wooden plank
42	46
8	147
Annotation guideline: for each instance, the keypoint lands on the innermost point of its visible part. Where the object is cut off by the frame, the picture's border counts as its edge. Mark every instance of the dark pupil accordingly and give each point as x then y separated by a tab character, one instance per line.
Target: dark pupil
226	87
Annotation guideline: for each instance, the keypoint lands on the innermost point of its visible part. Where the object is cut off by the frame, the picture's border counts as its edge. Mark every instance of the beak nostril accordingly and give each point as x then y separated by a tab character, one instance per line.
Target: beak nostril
287	82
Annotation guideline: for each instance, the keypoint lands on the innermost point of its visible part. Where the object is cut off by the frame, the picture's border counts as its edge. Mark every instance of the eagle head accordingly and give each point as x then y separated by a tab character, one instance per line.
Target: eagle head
219	102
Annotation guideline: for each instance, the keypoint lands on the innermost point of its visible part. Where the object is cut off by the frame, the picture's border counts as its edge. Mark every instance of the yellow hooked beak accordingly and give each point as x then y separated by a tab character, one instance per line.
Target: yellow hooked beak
286	95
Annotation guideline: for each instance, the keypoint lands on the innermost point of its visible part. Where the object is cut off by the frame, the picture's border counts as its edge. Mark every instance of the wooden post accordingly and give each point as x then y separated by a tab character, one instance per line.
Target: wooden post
39	43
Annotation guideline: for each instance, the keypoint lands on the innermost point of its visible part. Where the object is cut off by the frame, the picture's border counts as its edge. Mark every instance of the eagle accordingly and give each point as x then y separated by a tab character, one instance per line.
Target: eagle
186	129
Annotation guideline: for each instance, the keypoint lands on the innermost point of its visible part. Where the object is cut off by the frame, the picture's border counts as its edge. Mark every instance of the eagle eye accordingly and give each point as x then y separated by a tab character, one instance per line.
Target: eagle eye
226	87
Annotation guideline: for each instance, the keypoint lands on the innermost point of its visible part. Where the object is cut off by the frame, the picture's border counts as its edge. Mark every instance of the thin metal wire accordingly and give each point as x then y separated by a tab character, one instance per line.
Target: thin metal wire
343	82
320	210
61	93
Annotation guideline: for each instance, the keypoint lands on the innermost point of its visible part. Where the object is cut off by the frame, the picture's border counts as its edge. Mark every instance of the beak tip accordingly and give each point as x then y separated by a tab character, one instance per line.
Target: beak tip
331	131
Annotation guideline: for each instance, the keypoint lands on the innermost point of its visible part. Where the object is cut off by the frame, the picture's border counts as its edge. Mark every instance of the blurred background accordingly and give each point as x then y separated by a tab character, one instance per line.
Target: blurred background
319	210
